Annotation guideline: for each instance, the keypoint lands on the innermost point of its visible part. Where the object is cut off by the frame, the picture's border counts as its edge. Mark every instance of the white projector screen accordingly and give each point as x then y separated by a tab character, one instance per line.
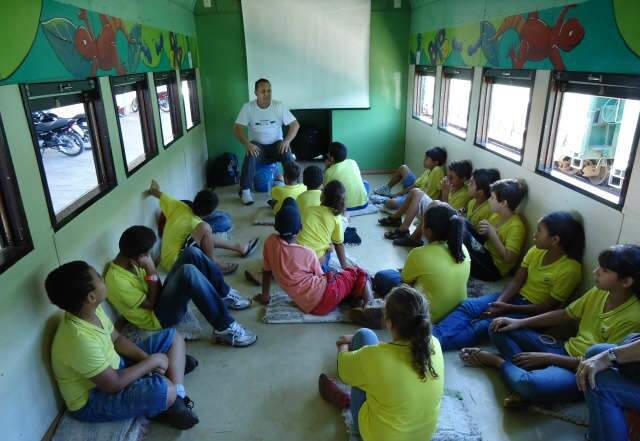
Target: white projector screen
315	53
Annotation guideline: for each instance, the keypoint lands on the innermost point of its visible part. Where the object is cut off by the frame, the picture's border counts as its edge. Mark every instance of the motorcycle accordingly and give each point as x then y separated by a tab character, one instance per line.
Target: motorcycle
57	133
82	129
163	101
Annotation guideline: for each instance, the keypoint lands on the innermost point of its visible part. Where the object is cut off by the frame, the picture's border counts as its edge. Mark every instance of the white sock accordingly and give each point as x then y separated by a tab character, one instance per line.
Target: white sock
180	391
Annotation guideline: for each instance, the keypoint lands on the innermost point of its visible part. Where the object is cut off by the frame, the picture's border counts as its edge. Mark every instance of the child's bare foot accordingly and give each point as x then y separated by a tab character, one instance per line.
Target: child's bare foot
475	357
331	393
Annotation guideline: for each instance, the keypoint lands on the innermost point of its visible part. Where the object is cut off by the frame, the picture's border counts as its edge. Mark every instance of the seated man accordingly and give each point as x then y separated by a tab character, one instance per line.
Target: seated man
136	292
102	375
339	168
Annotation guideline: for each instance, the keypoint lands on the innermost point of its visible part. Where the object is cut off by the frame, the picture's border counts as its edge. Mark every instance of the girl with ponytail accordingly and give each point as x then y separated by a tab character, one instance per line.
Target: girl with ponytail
440	269
400	382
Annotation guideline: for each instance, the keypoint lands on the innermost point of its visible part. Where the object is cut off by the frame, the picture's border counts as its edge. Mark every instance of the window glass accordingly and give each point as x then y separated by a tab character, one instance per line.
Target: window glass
131	127
168	102
424	96
164	105
186	98
455	99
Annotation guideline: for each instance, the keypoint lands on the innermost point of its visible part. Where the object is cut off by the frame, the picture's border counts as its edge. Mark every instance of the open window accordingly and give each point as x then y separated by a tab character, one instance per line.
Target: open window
505	100
455	99
15	240
69	131
591	133
424	93
190	98
132	102
167	95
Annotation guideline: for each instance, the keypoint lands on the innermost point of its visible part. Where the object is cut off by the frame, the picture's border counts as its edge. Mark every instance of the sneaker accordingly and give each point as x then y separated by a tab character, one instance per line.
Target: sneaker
247	198
377	199
190	364
180	415
235	335
384	190
233	300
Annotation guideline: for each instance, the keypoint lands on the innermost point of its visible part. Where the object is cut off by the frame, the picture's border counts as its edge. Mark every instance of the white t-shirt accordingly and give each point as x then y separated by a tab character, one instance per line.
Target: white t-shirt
265	125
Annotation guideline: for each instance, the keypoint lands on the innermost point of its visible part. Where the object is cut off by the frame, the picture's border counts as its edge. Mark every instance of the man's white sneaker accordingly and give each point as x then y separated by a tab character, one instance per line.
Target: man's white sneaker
235	335
247	198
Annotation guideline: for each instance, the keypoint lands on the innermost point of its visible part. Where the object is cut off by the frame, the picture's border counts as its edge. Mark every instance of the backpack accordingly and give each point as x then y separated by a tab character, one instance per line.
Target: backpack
222	170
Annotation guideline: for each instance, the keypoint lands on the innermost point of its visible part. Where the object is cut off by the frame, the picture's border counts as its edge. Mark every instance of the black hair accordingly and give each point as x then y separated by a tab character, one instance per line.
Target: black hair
484	177
569	230
462	168
510	190
445	224
408	311
338	151
69	285
205	202
261	80
438	154
312	177
291	171
333	196
136	240
623	259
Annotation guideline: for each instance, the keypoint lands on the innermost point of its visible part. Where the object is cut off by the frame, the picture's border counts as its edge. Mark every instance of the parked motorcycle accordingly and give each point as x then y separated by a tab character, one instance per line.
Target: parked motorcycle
83	126
163	101
57	133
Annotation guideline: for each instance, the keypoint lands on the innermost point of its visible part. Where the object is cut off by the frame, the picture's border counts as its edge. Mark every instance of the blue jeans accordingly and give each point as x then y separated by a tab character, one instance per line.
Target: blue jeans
465	327
145	397
384	281
613	394
363	337
550	384
219	221
268	155
194	277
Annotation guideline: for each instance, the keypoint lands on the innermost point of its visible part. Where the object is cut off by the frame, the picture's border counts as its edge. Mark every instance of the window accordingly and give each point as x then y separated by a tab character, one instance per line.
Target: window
455	98
591	133
135	120
424	93
504	111
15	240
167	94
68	127
190	98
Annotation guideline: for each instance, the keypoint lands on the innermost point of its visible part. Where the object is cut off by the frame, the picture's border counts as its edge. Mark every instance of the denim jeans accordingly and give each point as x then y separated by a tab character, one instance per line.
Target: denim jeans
219	221
465	327
384	281
363	337
549	384
614	394
194	277
145	397
268	155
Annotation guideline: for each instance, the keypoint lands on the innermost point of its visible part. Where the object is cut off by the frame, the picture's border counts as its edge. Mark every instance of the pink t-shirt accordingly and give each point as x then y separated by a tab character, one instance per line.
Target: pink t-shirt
297	270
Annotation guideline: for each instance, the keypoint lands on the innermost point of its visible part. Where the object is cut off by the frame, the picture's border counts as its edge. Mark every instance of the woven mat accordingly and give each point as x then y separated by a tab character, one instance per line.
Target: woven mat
133	429
478	288
369	209
282	309
264	216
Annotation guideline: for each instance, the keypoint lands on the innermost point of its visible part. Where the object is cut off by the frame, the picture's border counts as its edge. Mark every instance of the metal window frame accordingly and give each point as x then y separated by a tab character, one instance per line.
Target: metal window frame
419	76
449	73
190	76
169	79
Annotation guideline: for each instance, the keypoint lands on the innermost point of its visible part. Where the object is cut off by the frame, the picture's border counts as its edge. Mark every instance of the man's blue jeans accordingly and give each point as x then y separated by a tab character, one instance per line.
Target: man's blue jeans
268	155
548	384
194	277
364	337
613	394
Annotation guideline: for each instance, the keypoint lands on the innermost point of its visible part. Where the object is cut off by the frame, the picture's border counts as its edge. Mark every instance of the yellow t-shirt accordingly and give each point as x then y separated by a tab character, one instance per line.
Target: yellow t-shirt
126	291
555	281
430	182
512	235
434	272
399	405
348	173
597	326
180	224
459	198
310	198
280	193
80	351
320	228
479	213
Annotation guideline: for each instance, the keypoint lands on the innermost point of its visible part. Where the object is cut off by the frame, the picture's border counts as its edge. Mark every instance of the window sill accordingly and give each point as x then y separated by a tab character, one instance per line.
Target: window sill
501	151
458	133
592	191
423	119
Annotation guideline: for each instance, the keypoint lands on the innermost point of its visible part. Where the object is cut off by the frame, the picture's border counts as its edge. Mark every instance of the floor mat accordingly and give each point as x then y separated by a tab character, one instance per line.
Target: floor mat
369	209
189	327
264	216
282	309
478	288
133	429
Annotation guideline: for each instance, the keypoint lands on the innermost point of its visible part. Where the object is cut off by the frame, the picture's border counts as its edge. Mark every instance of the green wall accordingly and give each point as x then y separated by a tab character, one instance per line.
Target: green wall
379	129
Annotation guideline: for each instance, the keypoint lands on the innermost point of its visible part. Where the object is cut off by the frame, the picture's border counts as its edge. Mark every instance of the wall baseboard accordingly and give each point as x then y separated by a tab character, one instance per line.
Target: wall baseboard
377	171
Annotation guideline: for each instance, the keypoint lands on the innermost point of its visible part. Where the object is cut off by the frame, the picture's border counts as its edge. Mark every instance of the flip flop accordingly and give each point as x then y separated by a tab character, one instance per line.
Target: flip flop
253	245
389	221
228	268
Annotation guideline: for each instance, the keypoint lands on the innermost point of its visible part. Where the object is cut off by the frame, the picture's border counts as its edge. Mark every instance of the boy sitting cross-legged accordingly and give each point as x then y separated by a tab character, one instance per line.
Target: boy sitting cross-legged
101	374
312	178
137	293
291	188
347	172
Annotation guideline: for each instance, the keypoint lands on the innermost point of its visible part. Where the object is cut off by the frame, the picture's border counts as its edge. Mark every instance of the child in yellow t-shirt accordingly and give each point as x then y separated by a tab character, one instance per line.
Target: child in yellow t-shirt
340	168
478	208
291	188
396	387
311	177
538	367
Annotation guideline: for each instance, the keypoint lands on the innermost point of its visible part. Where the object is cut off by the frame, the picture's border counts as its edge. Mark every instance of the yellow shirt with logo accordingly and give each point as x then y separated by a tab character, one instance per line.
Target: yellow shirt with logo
320	229
430	182
126	292
459	198
348	173
310	198
280	193
80	351
180	224
554	281
598	326
399	405
479	213
512	235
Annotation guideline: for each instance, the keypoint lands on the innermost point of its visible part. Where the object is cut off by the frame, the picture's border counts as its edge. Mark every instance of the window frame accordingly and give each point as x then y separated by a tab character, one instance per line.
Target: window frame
421	72
449	73
91	97
622	86
510	77
169	79
138	83
190	76
15	237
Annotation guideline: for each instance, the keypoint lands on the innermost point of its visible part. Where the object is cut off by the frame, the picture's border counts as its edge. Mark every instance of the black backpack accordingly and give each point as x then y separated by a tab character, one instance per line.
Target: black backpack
222	170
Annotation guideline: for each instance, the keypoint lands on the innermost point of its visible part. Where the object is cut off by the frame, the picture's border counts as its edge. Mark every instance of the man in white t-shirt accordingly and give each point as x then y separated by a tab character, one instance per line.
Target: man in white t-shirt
264	118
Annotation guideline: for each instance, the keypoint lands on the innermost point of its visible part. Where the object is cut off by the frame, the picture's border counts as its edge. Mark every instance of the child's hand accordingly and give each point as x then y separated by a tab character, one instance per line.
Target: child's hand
344	340
497	309
505	324
532	360
485	228
260	298
160	362
154	189
445	186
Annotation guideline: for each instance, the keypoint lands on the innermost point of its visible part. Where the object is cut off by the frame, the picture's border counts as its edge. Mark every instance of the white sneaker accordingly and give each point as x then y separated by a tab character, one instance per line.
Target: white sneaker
235	335
247	198
235	301
384	190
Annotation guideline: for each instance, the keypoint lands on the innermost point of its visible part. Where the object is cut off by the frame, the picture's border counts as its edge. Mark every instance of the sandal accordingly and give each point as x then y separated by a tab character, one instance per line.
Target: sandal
390	221
228	268
408	242
396	234
253	245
